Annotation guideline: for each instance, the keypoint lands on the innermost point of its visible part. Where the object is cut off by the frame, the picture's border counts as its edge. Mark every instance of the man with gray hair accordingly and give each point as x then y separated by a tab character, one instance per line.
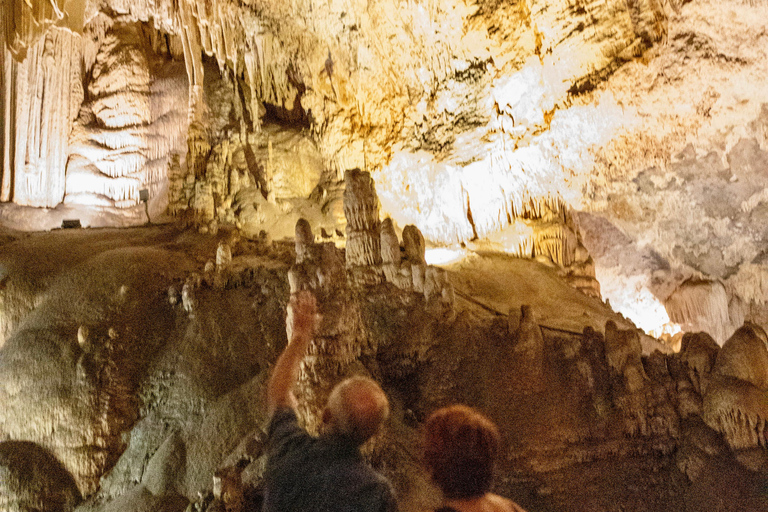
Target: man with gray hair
326	473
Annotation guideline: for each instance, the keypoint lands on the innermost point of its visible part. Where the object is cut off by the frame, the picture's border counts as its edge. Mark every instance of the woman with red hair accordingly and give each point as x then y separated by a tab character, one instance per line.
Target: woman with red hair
460	449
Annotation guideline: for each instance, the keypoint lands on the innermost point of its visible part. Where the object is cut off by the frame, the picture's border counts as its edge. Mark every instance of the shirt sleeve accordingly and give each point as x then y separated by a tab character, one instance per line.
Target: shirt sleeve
285	433
389	502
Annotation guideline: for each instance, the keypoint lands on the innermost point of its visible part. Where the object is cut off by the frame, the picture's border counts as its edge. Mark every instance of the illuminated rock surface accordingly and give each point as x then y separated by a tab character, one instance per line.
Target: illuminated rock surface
621	147
148	402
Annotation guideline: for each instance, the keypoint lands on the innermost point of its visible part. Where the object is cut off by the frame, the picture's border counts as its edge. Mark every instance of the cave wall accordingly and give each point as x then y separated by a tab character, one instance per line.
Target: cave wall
42	96
635	112
92	114
136	381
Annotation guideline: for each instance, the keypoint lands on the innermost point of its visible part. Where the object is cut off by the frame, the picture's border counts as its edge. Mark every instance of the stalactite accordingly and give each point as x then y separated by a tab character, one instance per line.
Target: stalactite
42	95
701	306
27	20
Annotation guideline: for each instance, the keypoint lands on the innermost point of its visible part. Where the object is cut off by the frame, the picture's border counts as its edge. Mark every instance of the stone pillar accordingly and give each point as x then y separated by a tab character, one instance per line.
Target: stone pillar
337	343
41	98
361	208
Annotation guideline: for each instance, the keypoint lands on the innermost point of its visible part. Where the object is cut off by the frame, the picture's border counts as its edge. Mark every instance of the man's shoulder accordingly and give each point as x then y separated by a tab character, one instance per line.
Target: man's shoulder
285	433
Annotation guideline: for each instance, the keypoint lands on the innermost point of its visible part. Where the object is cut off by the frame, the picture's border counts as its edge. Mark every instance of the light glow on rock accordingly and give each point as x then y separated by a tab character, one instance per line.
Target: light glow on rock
445	255
630	296
495	170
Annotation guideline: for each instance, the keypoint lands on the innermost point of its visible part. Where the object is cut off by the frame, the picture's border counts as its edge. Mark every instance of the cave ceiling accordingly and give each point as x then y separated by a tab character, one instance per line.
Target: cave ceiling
644	123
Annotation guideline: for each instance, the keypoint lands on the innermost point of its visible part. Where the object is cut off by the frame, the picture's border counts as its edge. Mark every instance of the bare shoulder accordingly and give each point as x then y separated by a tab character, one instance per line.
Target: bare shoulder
502	504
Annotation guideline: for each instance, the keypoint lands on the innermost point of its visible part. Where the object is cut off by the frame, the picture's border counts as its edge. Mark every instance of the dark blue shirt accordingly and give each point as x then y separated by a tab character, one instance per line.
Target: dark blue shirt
325	474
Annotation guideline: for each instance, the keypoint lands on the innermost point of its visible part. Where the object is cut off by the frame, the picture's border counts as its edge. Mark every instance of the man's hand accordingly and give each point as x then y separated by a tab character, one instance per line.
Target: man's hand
302	318
301	324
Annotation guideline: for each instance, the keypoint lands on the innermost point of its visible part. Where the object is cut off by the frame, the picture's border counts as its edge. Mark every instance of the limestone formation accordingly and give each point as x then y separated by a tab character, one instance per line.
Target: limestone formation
188	298
736	398
304	240
485	124
413	242
699	352
223	256
32	479
361	209
42	94
702	306
390	245
623	351
164	473
529	346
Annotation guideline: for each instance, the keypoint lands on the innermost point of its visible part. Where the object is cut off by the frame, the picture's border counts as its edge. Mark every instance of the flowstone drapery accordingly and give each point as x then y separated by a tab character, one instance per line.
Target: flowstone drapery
41	99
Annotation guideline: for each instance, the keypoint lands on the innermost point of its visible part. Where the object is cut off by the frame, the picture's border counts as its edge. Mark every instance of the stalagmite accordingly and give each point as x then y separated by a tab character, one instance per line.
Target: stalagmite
304	240
623	351
413	242
82	336
390	245
529	347
223	256
699	352
188	298
361	208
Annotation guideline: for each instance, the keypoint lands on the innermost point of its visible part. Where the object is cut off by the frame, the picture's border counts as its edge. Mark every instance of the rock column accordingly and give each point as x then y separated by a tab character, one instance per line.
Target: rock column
41	98
361	208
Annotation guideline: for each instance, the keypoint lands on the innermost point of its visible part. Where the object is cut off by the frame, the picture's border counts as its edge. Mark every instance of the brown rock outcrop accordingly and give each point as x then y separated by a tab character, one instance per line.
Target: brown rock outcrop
736	398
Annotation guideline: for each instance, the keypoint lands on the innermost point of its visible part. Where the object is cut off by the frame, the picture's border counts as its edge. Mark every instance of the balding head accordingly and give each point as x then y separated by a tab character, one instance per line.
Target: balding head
356	408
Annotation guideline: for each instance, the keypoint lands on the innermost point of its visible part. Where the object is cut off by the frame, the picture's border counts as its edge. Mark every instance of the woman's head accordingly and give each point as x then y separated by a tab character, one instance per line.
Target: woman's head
460	448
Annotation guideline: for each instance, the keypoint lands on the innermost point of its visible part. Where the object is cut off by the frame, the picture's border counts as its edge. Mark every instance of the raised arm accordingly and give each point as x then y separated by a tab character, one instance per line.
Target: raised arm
301	323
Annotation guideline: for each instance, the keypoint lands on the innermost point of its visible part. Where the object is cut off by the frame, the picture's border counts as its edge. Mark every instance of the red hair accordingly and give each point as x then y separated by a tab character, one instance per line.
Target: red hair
460	449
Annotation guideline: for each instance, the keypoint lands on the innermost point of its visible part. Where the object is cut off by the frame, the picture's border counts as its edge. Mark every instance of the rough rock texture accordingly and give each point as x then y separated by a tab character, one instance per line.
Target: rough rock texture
41	97
480	121
138	361
32	479
683	177
736	399
184	423
87	393
133	124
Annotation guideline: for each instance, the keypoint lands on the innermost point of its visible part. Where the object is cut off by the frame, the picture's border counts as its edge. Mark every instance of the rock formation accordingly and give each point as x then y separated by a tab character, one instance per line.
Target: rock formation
736	399
33	479
623	142
41	99
167	413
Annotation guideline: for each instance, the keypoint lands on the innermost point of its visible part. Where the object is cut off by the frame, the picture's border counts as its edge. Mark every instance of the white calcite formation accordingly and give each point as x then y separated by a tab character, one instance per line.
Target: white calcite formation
41	99
373	251
736	398
361	209
701	305
132	124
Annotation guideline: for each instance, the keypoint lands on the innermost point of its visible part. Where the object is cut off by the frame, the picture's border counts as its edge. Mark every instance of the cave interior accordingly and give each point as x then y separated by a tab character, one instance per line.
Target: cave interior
554	212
